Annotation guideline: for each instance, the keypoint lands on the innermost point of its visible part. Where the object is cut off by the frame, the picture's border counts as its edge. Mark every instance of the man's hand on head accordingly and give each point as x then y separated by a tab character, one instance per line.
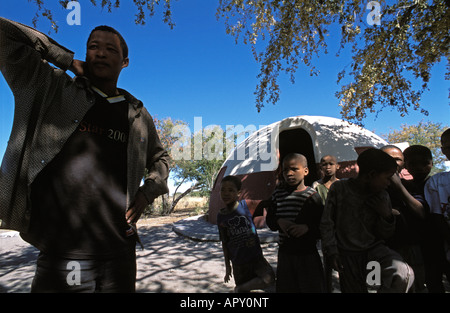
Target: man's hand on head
78	67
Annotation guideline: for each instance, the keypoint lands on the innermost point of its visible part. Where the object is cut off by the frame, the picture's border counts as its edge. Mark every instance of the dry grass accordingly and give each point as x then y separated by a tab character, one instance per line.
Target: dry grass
192	202
186	203
188	206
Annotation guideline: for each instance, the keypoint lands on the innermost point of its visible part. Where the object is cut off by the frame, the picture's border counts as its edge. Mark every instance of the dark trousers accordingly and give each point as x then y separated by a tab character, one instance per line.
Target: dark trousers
54	274
300	273
436	266
395	274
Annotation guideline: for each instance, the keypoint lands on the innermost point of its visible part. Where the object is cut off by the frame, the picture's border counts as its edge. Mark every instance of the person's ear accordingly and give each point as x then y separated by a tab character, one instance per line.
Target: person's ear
125	62
306	171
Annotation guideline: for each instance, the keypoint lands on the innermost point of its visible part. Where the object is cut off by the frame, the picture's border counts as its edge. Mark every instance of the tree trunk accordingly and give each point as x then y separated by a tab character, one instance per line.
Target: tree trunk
175	201
165	204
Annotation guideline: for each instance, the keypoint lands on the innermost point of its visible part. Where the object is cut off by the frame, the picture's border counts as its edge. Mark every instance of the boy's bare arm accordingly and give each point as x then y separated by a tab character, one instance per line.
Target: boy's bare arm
223	238
298	230
411	203
284	225
292	229
228	272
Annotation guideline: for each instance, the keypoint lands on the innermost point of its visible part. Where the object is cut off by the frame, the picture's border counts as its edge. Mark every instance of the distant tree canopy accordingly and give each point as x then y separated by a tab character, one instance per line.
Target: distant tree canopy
426	134
193	157
394	45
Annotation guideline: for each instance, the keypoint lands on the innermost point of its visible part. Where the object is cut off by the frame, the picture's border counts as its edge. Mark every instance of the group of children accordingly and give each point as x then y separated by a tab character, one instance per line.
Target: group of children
375	221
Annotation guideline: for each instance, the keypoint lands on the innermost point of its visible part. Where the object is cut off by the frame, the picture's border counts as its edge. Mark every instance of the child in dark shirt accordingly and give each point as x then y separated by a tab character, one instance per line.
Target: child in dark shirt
409	207
295	212
419	162
356	220
240	241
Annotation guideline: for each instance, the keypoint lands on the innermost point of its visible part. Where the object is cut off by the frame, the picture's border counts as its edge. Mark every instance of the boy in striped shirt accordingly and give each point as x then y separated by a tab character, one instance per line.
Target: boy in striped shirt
295	211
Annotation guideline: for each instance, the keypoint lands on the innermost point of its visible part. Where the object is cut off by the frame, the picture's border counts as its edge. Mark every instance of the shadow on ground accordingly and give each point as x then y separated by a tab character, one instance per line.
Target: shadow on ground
188	266
170	263
17	265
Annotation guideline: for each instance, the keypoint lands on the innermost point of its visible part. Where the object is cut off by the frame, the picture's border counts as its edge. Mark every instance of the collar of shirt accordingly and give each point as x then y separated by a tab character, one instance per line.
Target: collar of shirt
114	99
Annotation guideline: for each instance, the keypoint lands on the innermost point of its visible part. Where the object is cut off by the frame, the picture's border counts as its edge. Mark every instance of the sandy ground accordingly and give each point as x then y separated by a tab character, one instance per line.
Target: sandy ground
169	263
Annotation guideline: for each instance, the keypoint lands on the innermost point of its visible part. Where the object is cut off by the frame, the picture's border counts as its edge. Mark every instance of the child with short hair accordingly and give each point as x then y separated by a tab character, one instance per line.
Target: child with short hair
410	207
295	212
356	220
240	241
328	166
437	194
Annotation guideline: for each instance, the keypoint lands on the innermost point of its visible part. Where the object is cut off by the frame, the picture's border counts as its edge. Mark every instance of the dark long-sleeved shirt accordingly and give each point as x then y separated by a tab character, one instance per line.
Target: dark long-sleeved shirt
349	222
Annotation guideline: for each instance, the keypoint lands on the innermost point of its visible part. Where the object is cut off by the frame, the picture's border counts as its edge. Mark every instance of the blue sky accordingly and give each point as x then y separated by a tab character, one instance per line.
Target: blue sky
197	70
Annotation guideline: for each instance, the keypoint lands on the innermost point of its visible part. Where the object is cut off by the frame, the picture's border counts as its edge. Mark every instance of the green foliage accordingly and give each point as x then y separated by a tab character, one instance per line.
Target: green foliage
426	134
202	156
394	57
142	6
207	153
413	36
165	128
